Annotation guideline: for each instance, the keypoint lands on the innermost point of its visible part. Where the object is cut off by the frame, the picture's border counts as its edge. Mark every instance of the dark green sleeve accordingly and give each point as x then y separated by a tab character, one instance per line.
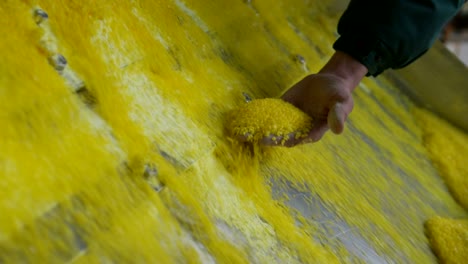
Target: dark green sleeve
385	34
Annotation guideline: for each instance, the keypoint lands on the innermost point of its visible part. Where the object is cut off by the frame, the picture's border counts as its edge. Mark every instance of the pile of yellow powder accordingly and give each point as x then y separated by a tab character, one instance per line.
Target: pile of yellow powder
447	147
449	239
269	117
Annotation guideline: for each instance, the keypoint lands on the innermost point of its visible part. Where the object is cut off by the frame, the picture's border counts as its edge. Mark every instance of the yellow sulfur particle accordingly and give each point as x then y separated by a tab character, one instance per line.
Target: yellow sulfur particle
449	239
448	149
263	118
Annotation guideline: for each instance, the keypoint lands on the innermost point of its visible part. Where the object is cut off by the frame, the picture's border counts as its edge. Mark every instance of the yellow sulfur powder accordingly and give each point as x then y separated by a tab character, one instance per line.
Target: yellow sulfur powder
144	172
448	149
269	117
449	239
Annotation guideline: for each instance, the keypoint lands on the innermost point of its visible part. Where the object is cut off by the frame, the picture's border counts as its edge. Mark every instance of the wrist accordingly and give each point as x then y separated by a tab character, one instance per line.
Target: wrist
350	70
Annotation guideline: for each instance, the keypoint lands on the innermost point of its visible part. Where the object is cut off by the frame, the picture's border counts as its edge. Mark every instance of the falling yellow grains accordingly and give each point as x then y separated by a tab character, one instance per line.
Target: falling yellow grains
449	239
269	117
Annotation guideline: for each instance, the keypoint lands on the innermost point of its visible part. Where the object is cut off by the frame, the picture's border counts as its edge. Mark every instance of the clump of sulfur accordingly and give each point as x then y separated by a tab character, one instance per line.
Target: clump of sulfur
269	117
448	149
449	239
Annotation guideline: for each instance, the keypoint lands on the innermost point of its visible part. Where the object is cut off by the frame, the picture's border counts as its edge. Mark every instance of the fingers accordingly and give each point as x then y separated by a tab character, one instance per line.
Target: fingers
314	135
338	114
336	118
317	132
289	141
335	121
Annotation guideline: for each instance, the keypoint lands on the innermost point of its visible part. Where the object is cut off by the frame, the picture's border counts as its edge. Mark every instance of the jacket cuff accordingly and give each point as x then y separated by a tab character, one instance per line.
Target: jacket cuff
371	52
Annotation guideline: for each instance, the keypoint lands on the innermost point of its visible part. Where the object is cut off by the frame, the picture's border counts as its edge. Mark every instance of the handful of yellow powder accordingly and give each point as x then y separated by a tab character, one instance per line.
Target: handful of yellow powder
274	118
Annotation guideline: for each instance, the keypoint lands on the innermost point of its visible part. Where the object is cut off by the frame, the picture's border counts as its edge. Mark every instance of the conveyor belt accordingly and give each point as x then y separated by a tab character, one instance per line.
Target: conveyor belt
113	146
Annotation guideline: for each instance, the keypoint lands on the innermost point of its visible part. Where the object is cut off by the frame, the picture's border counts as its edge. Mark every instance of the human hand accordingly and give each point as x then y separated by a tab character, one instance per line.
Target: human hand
326	97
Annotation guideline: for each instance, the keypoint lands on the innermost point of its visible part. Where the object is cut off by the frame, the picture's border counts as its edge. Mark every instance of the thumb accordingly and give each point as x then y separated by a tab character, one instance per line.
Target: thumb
336	118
